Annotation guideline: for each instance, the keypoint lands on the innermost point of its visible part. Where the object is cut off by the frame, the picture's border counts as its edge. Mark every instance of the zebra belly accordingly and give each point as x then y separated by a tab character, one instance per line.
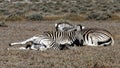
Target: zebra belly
38	47
43	41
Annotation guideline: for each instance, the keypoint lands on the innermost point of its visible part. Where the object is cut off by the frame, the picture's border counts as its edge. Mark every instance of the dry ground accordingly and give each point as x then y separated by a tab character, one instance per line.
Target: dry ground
80	57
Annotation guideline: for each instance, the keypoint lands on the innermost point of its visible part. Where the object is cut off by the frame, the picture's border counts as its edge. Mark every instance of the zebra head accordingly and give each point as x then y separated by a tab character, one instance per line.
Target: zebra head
79	27
66	26
63	26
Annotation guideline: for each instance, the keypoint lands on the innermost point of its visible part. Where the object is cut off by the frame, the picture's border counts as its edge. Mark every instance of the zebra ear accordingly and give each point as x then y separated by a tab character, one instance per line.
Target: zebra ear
83	27
80	27
56	24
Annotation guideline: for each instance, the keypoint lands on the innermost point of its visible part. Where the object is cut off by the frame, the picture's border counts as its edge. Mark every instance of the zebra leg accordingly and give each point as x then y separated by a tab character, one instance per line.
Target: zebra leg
43	48
28	47
33	47
23	42
20	48
38	47
56	46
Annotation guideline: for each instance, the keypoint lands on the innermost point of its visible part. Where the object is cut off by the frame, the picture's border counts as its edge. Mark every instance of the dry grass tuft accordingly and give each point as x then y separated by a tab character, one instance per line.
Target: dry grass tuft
116	16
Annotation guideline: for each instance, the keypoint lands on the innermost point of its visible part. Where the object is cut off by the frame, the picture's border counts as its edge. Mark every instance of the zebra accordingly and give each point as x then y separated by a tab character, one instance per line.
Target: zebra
50	39
91	36
97	37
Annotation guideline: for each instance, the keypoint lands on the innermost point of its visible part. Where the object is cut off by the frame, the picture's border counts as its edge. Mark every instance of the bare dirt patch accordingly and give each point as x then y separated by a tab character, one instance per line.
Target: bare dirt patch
80	57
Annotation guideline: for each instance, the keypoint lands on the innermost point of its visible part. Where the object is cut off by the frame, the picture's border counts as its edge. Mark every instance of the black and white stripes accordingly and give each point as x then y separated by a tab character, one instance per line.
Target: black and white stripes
91	36
66	35
97	37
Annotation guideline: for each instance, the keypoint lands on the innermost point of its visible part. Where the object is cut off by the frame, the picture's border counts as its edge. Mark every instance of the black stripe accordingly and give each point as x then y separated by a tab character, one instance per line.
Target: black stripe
99	43
91	39
87	35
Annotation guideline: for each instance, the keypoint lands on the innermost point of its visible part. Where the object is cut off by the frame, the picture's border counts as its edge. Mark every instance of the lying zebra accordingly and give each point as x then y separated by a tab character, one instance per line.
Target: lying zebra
91	36
51	39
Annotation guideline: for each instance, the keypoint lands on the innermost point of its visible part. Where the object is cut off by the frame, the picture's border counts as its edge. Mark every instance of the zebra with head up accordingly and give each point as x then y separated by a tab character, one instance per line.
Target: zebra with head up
66	26
58	26
91	36
50	39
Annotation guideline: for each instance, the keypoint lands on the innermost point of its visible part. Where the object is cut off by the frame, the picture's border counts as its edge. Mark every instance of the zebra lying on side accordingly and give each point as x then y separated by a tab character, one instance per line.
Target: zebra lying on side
97	37
91	36
50	39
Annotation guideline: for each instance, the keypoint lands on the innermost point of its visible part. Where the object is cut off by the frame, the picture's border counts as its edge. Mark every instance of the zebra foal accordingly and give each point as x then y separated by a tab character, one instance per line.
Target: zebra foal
50	39
91	36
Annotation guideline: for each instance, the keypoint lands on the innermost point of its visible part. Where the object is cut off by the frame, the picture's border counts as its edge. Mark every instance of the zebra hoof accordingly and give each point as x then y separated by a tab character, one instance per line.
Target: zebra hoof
28	47
10	44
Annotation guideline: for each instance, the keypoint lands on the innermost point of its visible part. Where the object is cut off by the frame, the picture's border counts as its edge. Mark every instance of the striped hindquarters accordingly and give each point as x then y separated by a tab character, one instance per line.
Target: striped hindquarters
96	37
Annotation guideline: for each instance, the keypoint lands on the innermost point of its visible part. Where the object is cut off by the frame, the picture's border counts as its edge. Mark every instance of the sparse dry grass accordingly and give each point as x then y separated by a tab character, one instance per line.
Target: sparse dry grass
52	18
76	10
20	28
65	17
80	57
15	18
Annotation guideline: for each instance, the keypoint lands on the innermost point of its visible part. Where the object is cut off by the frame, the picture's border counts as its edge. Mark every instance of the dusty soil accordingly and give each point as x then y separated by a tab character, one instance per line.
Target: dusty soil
80	57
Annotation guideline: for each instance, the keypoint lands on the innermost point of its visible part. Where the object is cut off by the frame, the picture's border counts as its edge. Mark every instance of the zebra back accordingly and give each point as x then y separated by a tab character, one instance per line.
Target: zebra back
61	36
